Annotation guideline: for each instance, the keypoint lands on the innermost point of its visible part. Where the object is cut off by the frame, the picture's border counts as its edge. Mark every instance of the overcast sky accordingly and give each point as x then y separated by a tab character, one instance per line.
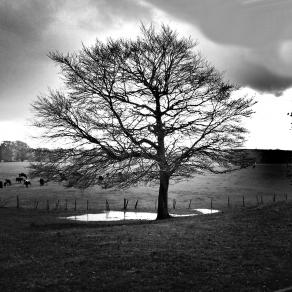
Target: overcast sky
250	40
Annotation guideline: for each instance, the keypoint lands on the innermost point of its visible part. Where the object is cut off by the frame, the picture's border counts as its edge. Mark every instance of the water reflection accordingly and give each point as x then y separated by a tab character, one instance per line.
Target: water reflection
207	211
114	216
120	215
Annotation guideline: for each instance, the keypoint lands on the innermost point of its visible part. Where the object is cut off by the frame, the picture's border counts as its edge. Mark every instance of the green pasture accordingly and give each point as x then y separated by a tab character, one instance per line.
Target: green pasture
247	187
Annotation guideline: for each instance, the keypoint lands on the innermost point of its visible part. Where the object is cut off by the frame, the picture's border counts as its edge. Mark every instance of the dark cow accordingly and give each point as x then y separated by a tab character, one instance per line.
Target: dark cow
22	174
27	183
100	178
1	184
8	182
19	179
42	181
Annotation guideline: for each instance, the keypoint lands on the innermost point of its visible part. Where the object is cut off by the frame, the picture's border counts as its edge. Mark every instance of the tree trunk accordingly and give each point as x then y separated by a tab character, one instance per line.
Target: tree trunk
162	212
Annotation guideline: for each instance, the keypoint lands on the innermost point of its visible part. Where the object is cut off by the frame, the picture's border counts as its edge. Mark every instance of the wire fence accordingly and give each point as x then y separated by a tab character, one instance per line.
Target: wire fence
78	205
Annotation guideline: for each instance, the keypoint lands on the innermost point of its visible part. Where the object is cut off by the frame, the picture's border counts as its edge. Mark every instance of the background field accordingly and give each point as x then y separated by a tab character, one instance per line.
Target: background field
254	184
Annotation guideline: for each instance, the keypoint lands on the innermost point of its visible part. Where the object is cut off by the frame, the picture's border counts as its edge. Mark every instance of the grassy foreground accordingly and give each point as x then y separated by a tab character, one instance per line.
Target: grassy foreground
240	250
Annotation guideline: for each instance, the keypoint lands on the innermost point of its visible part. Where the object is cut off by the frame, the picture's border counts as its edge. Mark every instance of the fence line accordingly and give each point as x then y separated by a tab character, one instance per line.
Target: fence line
185	205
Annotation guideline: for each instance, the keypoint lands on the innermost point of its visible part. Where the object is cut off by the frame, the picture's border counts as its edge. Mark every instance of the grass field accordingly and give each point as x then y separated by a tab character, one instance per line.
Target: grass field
246	250
240	249
252	183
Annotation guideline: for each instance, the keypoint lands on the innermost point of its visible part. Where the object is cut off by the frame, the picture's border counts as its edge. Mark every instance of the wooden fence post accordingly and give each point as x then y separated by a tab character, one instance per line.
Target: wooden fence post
190	203
243	201
48	205
107	206
66	204
274	197
173	204
75	205
87	205
17	202
211	205
125	204
136	205
228	201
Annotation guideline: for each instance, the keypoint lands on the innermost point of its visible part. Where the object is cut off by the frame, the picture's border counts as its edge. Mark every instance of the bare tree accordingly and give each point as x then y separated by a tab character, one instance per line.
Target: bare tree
141	110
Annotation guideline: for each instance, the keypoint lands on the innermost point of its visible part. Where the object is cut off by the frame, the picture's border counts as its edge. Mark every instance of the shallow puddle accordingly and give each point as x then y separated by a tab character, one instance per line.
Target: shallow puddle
114	216
120	215
207	211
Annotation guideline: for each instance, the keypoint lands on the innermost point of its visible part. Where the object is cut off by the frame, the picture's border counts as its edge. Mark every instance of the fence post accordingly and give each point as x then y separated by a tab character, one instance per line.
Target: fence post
107	206
75	205
87	205
190	203
211	205
66	204
125	204
274	197
48	205
228	201
17	202
136	205
243	202
286	196
173	204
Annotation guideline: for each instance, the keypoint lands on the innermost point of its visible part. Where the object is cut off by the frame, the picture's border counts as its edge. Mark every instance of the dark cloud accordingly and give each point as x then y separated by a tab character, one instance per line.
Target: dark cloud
26	19
260	78
237	22
258	28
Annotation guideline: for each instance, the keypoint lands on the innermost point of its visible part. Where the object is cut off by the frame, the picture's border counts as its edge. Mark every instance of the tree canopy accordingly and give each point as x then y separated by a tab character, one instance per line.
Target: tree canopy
141	110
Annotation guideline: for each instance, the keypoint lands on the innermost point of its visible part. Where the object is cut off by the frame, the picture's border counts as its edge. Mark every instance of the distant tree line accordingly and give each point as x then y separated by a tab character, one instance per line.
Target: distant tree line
270	156
19	151
11	151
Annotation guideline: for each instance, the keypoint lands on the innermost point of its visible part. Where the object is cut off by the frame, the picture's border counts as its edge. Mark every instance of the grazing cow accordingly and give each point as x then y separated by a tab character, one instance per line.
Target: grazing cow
22	174
1	184
100	178
27	183
42	181
8	182
19	179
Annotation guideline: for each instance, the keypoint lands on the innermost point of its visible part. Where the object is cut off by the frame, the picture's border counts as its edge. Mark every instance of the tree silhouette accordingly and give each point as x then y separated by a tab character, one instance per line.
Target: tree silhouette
6	151
148	109
22	150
